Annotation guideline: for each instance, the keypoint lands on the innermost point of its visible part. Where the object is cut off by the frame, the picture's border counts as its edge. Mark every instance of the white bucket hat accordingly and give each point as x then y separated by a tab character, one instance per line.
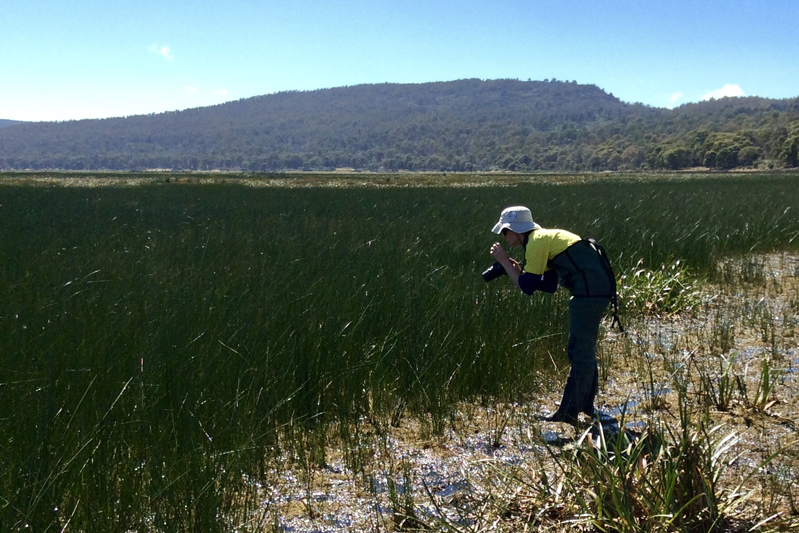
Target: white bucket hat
518	219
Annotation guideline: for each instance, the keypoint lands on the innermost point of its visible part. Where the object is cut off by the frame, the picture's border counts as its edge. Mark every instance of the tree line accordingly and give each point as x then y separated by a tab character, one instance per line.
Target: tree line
464	125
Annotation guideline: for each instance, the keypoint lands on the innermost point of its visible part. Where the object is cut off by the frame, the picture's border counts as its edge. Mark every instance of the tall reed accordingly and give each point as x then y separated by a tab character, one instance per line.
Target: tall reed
162	344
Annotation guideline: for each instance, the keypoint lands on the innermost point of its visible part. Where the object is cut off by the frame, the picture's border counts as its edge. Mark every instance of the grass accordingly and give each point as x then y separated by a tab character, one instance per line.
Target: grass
692	468
667	290
164	345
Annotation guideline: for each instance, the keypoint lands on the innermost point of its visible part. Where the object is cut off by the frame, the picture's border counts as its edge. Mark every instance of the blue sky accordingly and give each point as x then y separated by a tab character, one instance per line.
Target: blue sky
74	59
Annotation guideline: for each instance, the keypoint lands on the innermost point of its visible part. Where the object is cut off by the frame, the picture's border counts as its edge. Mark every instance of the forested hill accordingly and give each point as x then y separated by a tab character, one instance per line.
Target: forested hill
444	126
5	123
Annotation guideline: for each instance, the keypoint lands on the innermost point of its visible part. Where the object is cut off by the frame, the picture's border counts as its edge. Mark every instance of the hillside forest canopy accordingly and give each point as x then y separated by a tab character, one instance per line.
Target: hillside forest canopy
464	125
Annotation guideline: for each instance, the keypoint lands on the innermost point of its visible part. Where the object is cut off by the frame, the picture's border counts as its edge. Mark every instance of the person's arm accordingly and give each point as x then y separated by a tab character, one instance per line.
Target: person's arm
547	282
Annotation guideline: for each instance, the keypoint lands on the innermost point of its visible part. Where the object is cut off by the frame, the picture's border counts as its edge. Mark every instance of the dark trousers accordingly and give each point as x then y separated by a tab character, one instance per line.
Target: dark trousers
585	314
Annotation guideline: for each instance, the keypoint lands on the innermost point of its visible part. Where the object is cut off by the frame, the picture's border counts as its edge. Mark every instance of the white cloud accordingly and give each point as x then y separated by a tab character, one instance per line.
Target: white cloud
162	51
191	88
673	99
727	90
223	92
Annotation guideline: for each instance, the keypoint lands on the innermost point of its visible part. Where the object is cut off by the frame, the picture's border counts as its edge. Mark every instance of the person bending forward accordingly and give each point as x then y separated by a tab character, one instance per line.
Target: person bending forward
555	257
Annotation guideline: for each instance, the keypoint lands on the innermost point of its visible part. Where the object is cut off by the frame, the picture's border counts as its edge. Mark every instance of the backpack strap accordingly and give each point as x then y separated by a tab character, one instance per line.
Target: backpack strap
609	270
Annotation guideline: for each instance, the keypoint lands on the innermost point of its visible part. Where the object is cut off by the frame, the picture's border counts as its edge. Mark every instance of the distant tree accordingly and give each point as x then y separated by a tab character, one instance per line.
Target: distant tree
630	157
790	154
677	158
698	137
748	155
653	157
727	157
504	162
710	159
315	163
293	161
596	162
273	161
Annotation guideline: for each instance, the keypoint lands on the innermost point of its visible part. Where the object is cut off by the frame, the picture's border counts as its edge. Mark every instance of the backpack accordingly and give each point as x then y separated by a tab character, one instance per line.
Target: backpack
584	269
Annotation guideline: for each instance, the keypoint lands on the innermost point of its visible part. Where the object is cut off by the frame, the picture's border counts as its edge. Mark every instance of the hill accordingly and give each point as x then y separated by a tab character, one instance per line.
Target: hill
4	123
449	126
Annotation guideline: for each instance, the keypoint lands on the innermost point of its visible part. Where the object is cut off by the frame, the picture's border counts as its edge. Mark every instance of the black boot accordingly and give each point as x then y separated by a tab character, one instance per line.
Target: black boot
561	416
578	397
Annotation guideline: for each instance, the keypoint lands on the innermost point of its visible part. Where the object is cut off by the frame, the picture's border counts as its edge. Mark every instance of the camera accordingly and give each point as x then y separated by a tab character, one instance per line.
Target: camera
494	271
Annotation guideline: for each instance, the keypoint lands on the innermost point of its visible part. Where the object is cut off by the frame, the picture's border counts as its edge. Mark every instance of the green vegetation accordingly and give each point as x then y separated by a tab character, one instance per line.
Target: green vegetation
163	345
464	125
665	480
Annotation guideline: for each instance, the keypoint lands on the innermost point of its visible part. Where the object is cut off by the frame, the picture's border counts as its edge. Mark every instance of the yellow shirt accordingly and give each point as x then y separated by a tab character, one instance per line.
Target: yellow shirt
543	245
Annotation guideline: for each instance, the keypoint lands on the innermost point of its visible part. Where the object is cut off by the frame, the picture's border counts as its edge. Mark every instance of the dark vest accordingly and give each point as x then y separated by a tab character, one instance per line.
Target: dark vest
584	270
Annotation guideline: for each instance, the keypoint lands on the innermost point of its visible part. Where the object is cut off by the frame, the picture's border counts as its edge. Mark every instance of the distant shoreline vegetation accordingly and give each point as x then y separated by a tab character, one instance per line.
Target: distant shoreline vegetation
458	126
349	178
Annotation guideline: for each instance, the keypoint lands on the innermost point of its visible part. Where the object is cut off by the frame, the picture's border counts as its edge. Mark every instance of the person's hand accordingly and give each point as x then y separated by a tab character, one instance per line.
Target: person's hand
511	266
499	252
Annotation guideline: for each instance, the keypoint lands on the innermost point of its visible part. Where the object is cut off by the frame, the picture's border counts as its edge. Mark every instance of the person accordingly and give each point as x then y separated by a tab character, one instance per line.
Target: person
555	257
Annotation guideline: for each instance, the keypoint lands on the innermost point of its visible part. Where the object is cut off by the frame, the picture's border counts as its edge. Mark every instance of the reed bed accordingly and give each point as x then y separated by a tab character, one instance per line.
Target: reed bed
165	345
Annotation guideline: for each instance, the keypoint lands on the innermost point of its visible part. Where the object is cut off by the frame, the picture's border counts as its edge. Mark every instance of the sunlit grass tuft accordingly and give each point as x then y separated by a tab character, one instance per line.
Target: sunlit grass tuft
666	290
